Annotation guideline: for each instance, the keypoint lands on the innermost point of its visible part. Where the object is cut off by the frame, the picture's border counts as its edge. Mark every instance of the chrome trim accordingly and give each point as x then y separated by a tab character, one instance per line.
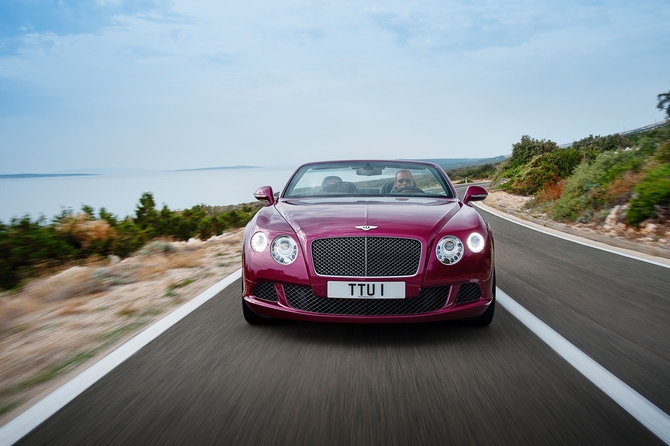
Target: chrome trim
366	227
418	267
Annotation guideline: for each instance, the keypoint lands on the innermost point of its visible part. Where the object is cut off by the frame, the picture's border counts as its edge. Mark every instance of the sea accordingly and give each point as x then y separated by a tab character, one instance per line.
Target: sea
120	193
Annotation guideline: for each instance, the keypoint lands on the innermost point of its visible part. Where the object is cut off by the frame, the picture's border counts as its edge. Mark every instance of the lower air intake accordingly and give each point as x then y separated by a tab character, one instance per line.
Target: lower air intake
265	291
468	292
430	299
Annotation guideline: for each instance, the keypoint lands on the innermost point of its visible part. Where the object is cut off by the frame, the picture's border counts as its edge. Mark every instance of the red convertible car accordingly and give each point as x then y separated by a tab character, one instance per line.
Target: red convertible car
368	241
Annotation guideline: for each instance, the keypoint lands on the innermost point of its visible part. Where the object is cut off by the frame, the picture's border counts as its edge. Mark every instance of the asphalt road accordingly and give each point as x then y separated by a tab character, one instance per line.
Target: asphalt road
213	379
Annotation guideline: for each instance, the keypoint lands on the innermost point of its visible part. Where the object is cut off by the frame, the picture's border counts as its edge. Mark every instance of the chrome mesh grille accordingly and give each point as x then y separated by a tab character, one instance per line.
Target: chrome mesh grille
265	291
366	256
430	299
468	292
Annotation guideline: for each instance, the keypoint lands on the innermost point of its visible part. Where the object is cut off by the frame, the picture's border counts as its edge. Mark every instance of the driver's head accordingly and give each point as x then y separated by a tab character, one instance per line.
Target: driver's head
403	178
331	184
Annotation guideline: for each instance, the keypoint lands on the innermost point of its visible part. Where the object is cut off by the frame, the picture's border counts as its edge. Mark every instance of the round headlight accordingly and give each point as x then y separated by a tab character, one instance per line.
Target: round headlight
284	250
475	242
259	241
449	250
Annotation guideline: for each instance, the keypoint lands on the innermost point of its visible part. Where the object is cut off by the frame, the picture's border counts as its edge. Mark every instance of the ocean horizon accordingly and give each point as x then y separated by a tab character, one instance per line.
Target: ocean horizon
119	193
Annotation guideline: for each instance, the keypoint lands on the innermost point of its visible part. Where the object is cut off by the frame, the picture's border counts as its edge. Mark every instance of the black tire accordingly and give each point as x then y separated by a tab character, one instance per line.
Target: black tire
249	315
487	317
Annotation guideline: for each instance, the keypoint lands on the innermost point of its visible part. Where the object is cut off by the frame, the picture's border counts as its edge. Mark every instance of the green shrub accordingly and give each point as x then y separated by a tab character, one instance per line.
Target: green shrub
541	171
27	246
586	191
663	152
527	149
653	190
157	247
130	238
473	172
649	142
592	146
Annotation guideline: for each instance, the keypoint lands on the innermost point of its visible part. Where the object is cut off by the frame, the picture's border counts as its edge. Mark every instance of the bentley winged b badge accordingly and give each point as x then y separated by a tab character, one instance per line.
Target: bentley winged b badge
366	227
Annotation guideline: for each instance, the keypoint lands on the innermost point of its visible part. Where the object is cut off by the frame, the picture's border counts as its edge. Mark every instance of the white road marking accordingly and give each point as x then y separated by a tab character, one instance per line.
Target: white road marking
31	418
593	244
640	408
635	404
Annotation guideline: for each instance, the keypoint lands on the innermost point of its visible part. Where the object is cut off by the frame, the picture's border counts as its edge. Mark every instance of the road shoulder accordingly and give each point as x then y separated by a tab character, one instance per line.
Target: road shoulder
624	247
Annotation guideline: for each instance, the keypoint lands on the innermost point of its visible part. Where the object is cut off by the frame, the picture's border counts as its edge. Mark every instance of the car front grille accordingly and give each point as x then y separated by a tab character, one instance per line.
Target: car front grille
468	292
265	291
430	299
366	256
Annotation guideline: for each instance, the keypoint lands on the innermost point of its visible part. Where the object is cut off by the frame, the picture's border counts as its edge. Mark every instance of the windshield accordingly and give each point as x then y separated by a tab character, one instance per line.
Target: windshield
367	179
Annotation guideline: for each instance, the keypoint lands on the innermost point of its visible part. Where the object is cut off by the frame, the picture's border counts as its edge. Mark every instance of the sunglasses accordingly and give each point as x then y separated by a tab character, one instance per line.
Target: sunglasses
404	180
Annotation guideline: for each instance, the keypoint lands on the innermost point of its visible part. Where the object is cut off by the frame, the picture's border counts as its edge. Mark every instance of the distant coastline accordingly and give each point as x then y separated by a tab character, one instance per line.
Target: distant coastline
114	171
46	175
214	168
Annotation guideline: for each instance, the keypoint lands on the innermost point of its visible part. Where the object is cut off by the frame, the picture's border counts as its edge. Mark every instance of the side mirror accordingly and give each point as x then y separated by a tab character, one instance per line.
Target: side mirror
474	193
265	194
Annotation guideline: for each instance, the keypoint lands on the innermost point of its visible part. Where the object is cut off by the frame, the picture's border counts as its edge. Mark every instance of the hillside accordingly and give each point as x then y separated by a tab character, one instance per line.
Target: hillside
616	184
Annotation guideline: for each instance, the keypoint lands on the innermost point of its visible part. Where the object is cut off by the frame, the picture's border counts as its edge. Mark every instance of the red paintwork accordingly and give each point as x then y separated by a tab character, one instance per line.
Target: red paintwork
426	219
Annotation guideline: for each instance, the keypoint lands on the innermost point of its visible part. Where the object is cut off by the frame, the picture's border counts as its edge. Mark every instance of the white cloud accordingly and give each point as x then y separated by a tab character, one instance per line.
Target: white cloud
222	81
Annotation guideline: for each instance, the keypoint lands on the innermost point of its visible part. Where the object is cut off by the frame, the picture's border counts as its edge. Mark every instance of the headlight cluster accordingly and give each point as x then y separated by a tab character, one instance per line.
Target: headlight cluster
284	249
449	249
259	241
475	242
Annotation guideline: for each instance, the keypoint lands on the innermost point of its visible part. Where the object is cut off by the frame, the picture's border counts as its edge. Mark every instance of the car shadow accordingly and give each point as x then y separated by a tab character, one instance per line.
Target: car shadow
427	333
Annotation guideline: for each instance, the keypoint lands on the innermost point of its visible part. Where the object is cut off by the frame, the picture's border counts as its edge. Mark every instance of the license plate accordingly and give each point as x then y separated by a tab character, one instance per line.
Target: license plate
367	290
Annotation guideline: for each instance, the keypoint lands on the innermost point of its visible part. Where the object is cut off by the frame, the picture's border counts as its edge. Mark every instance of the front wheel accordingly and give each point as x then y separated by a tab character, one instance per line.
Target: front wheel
251	317
487	316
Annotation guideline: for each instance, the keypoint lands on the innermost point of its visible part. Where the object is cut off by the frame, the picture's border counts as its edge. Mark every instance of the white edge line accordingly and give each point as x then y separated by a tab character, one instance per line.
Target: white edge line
33	417
632	402
611	251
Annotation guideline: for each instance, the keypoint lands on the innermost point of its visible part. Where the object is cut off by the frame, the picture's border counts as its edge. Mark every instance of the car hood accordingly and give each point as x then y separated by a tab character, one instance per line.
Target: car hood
420	217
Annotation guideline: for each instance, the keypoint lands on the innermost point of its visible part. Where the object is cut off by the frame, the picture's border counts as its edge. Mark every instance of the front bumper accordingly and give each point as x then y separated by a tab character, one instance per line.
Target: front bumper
298	302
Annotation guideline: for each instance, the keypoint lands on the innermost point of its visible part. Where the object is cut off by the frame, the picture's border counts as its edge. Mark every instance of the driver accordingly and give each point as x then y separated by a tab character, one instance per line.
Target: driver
404	182
331	184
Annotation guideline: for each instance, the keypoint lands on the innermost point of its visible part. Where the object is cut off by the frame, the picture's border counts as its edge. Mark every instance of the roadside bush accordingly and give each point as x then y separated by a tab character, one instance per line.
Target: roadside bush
592	146
473	172
652	192
663	153
586	191
551	192
528	148
541	171
29	247
512	175
621	189
157	247
651	141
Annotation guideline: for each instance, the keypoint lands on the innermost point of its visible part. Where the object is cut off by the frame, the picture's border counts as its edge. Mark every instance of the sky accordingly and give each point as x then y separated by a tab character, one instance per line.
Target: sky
158	84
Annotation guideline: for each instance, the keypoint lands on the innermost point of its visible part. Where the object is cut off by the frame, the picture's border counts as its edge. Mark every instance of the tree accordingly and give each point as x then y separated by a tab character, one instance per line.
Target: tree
146	213
664	103
527	148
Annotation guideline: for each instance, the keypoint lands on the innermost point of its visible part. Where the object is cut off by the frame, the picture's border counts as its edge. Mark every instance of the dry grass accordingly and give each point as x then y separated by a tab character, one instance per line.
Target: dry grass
73	282
621	189
551	192
158	264
14	306
84	230
72	307
57	323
